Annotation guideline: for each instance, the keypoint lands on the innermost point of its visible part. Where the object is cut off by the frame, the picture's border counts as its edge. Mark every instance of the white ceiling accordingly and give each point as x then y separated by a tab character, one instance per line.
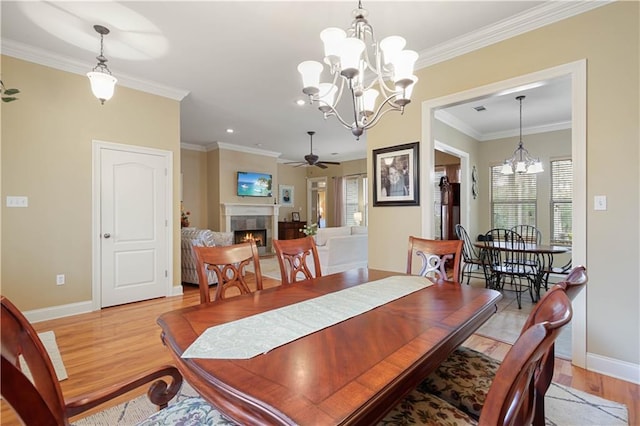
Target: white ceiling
233	63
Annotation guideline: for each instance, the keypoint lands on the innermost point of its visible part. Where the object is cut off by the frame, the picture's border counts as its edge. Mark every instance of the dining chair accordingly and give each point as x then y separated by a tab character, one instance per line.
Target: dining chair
529	233
469	386
511	399
508	263
436	257
37	398
229	264
298	259
472	257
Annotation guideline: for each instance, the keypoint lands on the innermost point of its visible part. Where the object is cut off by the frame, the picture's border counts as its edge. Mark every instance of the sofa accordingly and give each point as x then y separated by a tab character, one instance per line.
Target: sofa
342	248
202	238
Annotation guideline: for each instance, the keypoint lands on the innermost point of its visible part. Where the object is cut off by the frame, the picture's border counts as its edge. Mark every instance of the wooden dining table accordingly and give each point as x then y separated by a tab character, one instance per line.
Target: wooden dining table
544	252
352	372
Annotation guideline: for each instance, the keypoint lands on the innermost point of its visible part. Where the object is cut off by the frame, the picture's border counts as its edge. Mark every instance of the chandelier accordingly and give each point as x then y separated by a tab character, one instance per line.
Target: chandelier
521	161
357	63
102	82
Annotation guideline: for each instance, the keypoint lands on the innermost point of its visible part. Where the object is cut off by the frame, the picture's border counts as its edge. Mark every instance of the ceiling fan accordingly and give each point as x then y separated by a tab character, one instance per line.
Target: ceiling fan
311	159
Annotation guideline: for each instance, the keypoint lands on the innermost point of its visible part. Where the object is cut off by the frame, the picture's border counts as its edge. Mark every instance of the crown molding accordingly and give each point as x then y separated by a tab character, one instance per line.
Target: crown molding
42	57
453	121
531	130
193	147
534	18
247	150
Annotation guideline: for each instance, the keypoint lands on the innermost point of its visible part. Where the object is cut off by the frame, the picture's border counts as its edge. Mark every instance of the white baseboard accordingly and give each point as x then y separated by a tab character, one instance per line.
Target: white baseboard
623	370
61	311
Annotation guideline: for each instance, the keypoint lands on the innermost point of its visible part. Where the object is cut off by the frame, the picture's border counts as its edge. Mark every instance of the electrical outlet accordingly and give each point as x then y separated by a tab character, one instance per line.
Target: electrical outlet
20	201
60	279
600	202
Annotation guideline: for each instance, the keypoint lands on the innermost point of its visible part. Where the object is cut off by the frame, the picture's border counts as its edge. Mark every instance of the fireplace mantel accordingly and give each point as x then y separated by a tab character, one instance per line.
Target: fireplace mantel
229	210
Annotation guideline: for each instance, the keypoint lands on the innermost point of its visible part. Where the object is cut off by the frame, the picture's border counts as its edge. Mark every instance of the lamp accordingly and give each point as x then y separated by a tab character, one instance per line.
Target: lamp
102	82
357	216
348	59
521	161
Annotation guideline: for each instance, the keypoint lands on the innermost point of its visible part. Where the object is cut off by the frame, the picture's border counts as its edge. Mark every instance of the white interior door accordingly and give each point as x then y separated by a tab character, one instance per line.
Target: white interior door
133	226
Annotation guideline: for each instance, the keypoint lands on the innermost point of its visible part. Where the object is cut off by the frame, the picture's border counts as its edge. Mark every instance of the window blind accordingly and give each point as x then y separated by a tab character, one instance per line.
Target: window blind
513	199
561	201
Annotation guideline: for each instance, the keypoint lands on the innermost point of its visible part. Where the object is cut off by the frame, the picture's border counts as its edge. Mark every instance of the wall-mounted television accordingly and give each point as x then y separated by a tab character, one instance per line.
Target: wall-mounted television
252	184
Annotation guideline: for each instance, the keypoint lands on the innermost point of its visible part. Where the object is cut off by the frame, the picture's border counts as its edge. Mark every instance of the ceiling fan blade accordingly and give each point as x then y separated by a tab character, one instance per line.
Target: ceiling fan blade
322	166
335	163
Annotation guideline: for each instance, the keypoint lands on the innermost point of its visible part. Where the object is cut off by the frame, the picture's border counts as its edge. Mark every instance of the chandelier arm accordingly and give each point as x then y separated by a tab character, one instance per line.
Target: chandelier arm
355	105
379	113
332	112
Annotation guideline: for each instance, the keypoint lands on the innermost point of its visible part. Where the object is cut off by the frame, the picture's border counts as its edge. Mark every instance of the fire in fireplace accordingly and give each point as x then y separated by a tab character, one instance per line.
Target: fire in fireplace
258	235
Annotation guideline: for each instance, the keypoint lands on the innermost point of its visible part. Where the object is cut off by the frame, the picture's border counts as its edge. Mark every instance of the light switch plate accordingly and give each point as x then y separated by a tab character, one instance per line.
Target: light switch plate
13	201
600	202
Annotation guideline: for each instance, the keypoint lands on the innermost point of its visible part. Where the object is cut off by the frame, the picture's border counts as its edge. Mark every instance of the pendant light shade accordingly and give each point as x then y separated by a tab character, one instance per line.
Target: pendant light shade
102	82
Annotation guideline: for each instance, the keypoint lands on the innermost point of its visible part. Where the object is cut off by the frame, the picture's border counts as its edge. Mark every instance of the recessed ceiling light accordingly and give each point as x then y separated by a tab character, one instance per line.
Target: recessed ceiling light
300	102
229	130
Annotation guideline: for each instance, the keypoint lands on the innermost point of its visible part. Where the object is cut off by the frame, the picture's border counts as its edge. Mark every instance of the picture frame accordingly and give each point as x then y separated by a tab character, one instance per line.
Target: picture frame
286	195
396	175
295	216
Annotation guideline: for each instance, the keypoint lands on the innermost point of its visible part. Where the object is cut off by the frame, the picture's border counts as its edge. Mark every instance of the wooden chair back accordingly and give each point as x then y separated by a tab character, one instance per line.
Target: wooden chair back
547	310
295	257
40	402
513	398
436	256
229	264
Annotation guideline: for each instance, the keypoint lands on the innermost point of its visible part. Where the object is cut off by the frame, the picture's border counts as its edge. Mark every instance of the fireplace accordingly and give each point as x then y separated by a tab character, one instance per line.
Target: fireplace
251	218
258	235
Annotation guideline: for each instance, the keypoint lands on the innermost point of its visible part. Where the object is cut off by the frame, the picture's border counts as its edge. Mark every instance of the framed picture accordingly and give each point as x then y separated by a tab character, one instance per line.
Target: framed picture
396	176
286	195
295	216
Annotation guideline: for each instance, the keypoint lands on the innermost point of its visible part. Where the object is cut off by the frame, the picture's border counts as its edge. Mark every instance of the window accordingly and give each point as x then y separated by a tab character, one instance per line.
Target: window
561	201
513	199
355	199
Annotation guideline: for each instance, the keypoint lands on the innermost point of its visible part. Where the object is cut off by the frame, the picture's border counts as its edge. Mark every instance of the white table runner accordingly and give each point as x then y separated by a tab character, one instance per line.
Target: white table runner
258	334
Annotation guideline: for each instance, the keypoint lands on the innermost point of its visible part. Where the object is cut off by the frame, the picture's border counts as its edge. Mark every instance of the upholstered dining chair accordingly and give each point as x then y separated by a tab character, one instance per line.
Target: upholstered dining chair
468	391
511	398
472	256
298	259
435	256
229	264
38	400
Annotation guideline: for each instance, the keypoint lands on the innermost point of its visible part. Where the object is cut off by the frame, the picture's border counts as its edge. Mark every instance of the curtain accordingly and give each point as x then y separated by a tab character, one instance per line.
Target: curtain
338	201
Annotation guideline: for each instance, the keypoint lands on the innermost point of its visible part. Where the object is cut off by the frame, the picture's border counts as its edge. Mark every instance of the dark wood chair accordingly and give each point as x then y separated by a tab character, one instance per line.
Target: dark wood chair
509	265
40	402
295	257
529	233
472	256
436	256
512	398
468	392
229	264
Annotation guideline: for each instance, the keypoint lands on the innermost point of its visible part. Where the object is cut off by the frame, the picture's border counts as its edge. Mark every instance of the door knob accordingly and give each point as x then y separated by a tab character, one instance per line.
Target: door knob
107	235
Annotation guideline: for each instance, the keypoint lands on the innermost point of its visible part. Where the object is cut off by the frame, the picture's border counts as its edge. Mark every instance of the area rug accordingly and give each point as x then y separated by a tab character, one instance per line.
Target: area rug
565	406
48	339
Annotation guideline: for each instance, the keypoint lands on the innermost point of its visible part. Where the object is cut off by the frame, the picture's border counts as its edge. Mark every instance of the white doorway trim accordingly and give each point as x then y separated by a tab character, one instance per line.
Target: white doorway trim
578	73
96	256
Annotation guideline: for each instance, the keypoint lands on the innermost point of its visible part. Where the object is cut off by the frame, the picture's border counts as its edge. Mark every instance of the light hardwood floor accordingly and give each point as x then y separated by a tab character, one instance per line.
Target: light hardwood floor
105	347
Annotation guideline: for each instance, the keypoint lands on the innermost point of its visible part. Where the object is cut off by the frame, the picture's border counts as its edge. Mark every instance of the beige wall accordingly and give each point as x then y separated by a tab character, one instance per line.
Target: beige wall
193	168
608	37
47	156
296	177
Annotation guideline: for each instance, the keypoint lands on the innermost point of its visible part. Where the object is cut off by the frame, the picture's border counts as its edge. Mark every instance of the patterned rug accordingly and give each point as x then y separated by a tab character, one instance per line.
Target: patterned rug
564	407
